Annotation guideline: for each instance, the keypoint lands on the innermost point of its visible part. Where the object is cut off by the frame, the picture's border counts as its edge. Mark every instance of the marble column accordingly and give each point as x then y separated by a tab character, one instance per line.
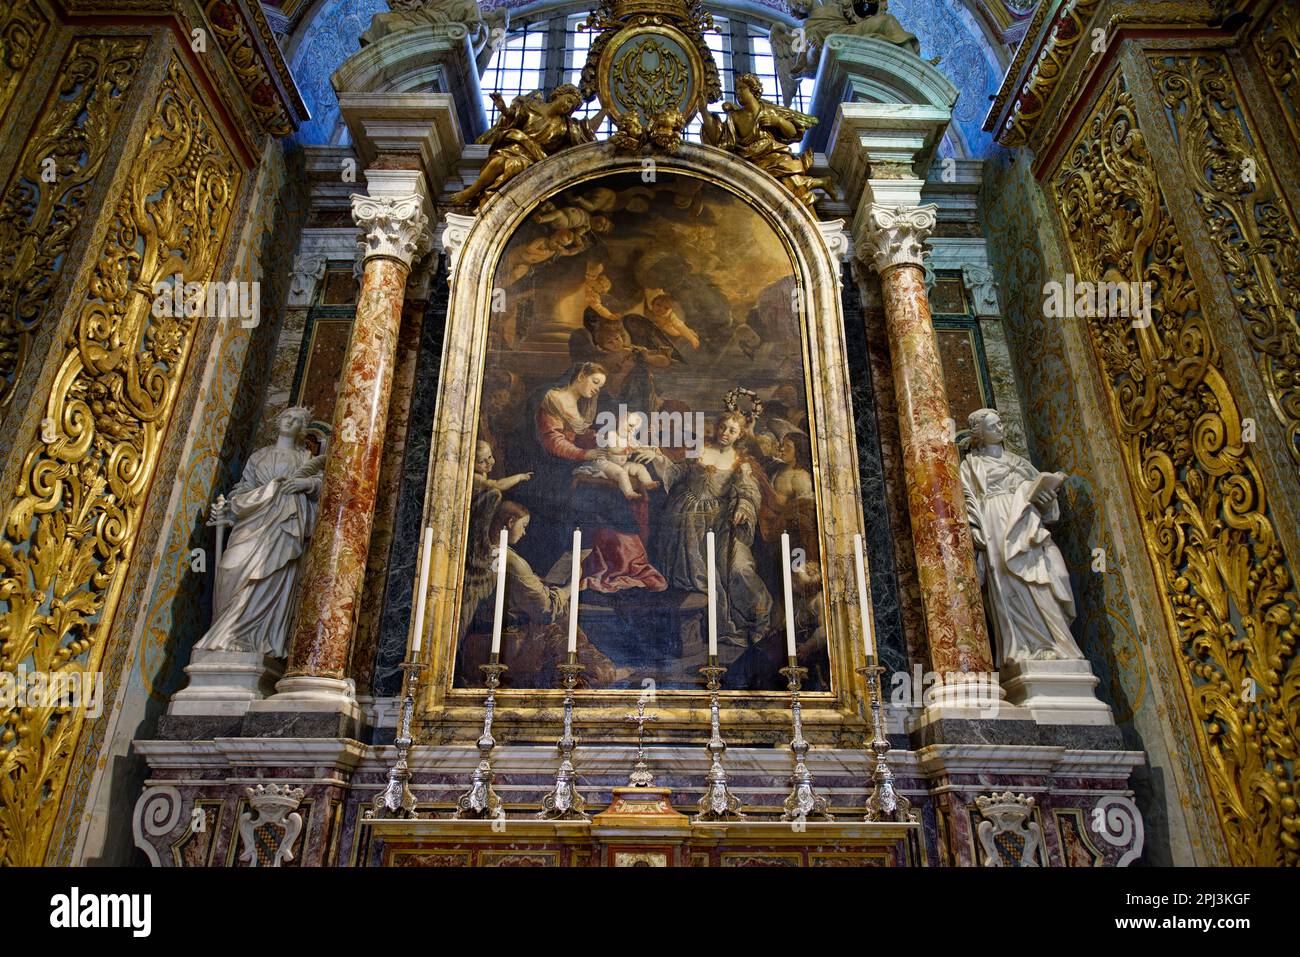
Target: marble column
945	555
394	232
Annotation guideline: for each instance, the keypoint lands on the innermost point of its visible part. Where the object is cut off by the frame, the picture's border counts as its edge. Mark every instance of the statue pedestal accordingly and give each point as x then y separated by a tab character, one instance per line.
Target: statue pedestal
226	683
1056	691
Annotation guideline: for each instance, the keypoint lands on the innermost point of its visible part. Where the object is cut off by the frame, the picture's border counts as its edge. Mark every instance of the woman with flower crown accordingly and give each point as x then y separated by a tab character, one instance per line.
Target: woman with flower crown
717	491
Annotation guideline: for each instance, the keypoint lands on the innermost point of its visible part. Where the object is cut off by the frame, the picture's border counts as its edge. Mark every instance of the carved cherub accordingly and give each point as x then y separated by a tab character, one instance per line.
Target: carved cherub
530	129
630	132
763	132
666	129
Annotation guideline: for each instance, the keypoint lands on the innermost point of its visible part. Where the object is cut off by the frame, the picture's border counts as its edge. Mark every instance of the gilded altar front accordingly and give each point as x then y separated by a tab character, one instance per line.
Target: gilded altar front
580	844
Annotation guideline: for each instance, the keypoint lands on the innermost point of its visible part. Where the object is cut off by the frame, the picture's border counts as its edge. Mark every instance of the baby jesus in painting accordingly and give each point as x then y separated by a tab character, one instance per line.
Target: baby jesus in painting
619	444
484	460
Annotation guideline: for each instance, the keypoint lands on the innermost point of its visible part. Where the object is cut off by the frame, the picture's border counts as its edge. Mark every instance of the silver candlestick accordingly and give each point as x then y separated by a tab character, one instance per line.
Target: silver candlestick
563	802
803	802
884	803
480	801
717	803
397	799
641	776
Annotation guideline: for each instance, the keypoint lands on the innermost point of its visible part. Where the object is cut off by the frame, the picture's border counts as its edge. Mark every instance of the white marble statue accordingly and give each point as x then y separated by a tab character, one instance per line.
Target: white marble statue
798	51
1025	580
273	511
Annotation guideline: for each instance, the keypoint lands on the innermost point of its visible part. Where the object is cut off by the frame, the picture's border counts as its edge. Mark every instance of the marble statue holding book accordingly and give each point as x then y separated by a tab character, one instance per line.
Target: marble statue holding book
1026	581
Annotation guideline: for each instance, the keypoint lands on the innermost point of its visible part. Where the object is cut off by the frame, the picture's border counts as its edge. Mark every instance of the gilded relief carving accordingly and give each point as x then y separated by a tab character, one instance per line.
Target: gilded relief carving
1277	43
1041	82
1209	532
237	43
22	25
651	75
66	540
45	199
1249	222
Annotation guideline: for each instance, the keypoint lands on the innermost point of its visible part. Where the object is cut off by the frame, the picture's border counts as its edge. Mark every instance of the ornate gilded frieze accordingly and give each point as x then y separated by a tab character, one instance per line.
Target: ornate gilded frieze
44	201
1032	96
1230	594
22	26
1249	222
259	68
1277	42
67	536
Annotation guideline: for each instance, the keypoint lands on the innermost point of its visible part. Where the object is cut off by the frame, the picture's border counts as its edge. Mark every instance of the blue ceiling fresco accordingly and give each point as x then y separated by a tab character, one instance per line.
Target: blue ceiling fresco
332	36
945	27
947	30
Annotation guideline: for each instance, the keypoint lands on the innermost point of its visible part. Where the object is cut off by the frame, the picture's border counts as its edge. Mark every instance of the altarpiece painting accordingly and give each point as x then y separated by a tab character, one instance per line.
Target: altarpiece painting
645	382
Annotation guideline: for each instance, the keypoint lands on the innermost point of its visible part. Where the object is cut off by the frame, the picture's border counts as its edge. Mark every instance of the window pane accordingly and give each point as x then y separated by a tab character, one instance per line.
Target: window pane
576	44
519	66
763	64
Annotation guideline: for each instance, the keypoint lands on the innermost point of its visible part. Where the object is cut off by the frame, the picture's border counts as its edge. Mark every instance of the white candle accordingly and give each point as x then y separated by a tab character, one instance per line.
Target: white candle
789	594
864	605
574	589
713	597
425	554
501	591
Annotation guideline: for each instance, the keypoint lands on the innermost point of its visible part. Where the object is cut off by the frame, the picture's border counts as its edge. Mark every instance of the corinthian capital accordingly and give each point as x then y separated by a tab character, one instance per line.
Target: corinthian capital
896	235
454	235
394	227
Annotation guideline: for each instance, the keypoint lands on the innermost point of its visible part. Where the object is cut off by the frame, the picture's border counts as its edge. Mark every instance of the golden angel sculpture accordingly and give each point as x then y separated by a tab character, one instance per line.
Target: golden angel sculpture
762	132
530	129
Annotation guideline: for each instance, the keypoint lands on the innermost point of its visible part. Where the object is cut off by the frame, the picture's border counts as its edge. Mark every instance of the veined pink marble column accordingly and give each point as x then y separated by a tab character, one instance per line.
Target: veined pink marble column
395	230
945	554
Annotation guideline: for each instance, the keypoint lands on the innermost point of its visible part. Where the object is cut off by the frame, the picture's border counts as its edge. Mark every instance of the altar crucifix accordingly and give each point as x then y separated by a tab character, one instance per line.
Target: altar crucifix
641	776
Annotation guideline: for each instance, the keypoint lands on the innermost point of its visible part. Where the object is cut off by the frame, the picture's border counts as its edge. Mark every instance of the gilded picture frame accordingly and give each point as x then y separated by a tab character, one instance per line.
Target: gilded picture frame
449	713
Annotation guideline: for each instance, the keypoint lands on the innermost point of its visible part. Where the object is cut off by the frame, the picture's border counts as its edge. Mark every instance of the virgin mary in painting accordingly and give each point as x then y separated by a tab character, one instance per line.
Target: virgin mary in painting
563	438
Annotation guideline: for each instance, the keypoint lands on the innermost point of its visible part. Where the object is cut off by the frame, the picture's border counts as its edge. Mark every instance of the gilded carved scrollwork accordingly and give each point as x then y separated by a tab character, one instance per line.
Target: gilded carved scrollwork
250	68
65	544
1248	220
45	199
22	25
1277	42
1041	81
1229	592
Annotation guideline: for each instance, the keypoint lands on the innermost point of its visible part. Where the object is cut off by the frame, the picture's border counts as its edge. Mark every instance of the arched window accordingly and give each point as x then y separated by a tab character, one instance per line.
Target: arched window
518	66
542	53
